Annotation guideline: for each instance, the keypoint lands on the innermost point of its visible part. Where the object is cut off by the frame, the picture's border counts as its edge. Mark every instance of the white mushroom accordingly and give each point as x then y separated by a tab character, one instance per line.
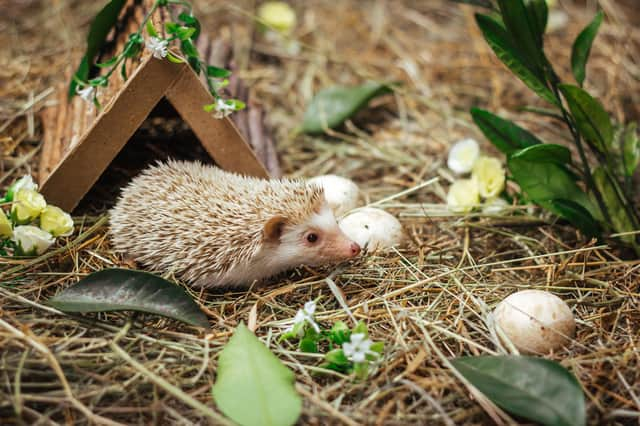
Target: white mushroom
535	321
372	228
341	193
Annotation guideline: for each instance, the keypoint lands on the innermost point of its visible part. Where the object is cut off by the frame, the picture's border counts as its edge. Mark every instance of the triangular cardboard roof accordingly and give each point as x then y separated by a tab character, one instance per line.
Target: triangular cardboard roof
153	79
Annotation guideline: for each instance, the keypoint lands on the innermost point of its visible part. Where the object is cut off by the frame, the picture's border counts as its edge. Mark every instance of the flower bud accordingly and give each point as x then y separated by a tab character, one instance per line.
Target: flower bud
25	182
27	206
32	240
5	226
489	175
463	155
56	221
463	196
277	15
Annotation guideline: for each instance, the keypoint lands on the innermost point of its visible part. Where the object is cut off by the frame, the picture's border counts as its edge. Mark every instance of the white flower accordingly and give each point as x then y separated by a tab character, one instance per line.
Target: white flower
25	182
463	196
358	348
56	221
306	315
462	155
494	205
32	240
489	175
86	94
223	108
5	226
157	46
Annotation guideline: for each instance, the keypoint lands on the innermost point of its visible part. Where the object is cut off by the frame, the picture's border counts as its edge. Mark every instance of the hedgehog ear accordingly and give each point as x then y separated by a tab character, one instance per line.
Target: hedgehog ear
273	228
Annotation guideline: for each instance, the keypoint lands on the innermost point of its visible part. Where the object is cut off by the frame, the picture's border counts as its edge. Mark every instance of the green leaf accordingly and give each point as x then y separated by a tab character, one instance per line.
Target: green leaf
539	11
190	21
185	33
216	72
108	64
577	215
100	27
151	30
332	106
377	347
172	58
339	333
171	27
503	134
129	290
308	345
544	182
509	53
253	386
592	120
582	47
544	153
630	149
524	29
361	327
620	221
534	388
337	357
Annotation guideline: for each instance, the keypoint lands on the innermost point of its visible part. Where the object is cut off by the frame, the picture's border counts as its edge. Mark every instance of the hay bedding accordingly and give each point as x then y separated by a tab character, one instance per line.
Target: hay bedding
428	301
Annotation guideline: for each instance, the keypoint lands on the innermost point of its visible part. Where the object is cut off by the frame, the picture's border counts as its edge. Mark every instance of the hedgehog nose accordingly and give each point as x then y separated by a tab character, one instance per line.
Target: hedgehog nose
355	249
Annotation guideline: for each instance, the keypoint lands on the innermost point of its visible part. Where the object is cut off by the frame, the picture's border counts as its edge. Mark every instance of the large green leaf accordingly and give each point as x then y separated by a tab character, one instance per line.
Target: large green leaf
332	106
539	12
544	182
503	134
544	153
100	27
524	28
509	53
534	388
577	215
253	386
620	220
592	120
582	47
630	149
128	290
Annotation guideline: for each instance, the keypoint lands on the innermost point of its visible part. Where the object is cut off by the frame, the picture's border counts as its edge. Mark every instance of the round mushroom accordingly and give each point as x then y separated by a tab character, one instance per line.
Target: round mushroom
341	193
372	228
535	321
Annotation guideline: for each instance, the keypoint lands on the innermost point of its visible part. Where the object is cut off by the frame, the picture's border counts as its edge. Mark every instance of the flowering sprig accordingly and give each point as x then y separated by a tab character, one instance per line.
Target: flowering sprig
184	31
31	226
348	351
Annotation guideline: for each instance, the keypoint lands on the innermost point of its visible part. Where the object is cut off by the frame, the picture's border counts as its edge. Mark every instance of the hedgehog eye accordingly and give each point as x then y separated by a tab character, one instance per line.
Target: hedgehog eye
312	237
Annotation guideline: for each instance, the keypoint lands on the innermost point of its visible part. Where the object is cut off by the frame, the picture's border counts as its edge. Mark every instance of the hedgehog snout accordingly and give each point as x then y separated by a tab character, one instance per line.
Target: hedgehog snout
355	249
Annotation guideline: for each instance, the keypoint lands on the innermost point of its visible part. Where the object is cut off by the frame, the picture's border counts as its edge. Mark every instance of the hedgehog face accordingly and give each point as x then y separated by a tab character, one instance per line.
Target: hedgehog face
316	241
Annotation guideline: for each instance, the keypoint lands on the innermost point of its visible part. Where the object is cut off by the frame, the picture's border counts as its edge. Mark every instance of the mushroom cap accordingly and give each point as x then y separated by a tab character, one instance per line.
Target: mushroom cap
372	228
535	321
341	193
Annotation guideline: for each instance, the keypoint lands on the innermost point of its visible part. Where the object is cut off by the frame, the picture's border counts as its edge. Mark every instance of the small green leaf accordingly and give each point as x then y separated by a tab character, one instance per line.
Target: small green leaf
337	357
544	153
216	72
361	327
171	27
544	182
630	149
577	215
253	387
534	388
582	47
308	345
100	28
503	134
332	106
339	333
185	33
129	290
620	221
190	21
509	53
172	58
123	70
108	64
592	120
377	347
151	30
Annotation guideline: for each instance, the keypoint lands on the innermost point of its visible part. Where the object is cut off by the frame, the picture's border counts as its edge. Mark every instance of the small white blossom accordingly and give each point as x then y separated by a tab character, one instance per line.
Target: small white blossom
463	155
306	315
358	348
495	206
223	108
25	182
157	46
32	240
86	94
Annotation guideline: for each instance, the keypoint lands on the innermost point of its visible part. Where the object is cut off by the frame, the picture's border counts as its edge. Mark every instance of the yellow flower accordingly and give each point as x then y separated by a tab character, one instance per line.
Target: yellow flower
489	175
32	240
277	15
56	222
5	226
27	206
463	196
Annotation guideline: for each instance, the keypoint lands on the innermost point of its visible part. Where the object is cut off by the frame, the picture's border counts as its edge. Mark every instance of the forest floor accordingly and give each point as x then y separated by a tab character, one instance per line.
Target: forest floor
429	300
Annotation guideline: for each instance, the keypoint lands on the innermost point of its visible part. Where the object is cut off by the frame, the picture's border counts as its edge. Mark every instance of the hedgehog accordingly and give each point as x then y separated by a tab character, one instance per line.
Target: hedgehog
215	228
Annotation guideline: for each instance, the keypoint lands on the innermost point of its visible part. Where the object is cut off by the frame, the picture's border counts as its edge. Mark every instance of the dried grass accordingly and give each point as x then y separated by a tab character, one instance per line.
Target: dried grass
429	301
